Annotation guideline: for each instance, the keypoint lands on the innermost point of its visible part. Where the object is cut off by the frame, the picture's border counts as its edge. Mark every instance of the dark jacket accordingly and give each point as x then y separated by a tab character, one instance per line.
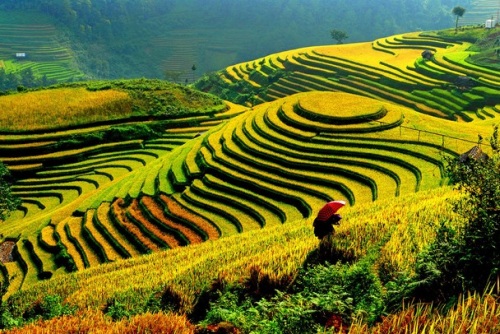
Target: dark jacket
323	228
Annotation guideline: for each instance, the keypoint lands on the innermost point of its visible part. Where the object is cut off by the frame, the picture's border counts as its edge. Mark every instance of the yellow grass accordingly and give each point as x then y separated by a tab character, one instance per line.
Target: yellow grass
472	314
61	107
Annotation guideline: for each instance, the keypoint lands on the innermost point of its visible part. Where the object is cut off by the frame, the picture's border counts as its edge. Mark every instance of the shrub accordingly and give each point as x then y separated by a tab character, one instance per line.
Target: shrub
465	257
49	307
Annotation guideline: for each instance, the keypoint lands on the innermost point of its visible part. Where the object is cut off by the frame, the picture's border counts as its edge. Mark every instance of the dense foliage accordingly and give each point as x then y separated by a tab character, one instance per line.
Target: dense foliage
21	80
7	201
466	258
121	39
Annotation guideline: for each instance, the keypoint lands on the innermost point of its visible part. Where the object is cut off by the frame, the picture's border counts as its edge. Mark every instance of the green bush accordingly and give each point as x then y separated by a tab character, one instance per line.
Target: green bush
464	258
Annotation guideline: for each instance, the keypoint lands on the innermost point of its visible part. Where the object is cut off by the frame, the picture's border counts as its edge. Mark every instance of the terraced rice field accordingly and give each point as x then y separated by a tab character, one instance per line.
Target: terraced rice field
234	172
479	11
389	69
46	52
359	122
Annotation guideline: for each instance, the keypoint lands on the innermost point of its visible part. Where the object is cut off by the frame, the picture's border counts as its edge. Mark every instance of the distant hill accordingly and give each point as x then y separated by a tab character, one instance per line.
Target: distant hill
166	38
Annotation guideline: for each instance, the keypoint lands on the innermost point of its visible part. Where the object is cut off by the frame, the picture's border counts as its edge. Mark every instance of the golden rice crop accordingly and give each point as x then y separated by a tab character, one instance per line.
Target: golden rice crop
75	226
177	210
338	104
47	235
103	216
109	251
472	314
70	248
135	211
190	269
94	322
61	107
157	211
119	210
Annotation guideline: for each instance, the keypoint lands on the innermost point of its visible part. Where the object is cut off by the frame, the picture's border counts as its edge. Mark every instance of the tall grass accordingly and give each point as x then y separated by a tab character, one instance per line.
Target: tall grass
63	107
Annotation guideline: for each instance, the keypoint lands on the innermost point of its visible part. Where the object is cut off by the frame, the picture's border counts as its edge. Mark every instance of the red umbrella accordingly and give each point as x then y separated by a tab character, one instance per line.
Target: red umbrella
329	210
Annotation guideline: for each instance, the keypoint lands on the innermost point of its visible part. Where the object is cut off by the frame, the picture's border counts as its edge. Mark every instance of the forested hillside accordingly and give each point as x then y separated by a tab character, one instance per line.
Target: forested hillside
153	38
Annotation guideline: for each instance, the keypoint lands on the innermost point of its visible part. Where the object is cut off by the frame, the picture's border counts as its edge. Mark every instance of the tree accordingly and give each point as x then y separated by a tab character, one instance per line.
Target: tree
458	12
8	202
339	35
193	68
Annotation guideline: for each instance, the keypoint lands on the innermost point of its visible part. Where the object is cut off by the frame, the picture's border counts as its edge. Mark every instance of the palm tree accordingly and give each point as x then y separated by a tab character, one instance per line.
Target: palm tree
458	12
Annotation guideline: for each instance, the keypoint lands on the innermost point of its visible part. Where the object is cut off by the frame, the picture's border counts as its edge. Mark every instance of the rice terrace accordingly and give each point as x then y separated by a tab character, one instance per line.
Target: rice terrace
147	206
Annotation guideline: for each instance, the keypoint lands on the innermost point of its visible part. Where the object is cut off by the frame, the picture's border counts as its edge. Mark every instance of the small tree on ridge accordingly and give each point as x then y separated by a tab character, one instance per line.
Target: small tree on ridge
458	12
338	35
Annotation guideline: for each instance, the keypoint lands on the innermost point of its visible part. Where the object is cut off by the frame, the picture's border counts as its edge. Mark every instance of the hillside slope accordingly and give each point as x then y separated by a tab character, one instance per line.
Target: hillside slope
390	69
148	38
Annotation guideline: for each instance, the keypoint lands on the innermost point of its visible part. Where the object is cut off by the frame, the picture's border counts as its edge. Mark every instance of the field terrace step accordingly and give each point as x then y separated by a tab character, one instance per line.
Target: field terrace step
139	237
185	233
314	174
173	210
420	159
162	235
345	179
23	255
390	75
65	156
396	96
222	215
302	146
296	116
459	60
255	183
16	277
248	217
278	176
286	87
71	245
296	147
278	209
72	236
97	238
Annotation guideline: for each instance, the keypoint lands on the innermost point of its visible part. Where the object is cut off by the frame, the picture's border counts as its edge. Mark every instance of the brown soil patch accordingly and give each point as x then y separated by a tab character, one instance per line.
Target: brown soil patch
6	251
